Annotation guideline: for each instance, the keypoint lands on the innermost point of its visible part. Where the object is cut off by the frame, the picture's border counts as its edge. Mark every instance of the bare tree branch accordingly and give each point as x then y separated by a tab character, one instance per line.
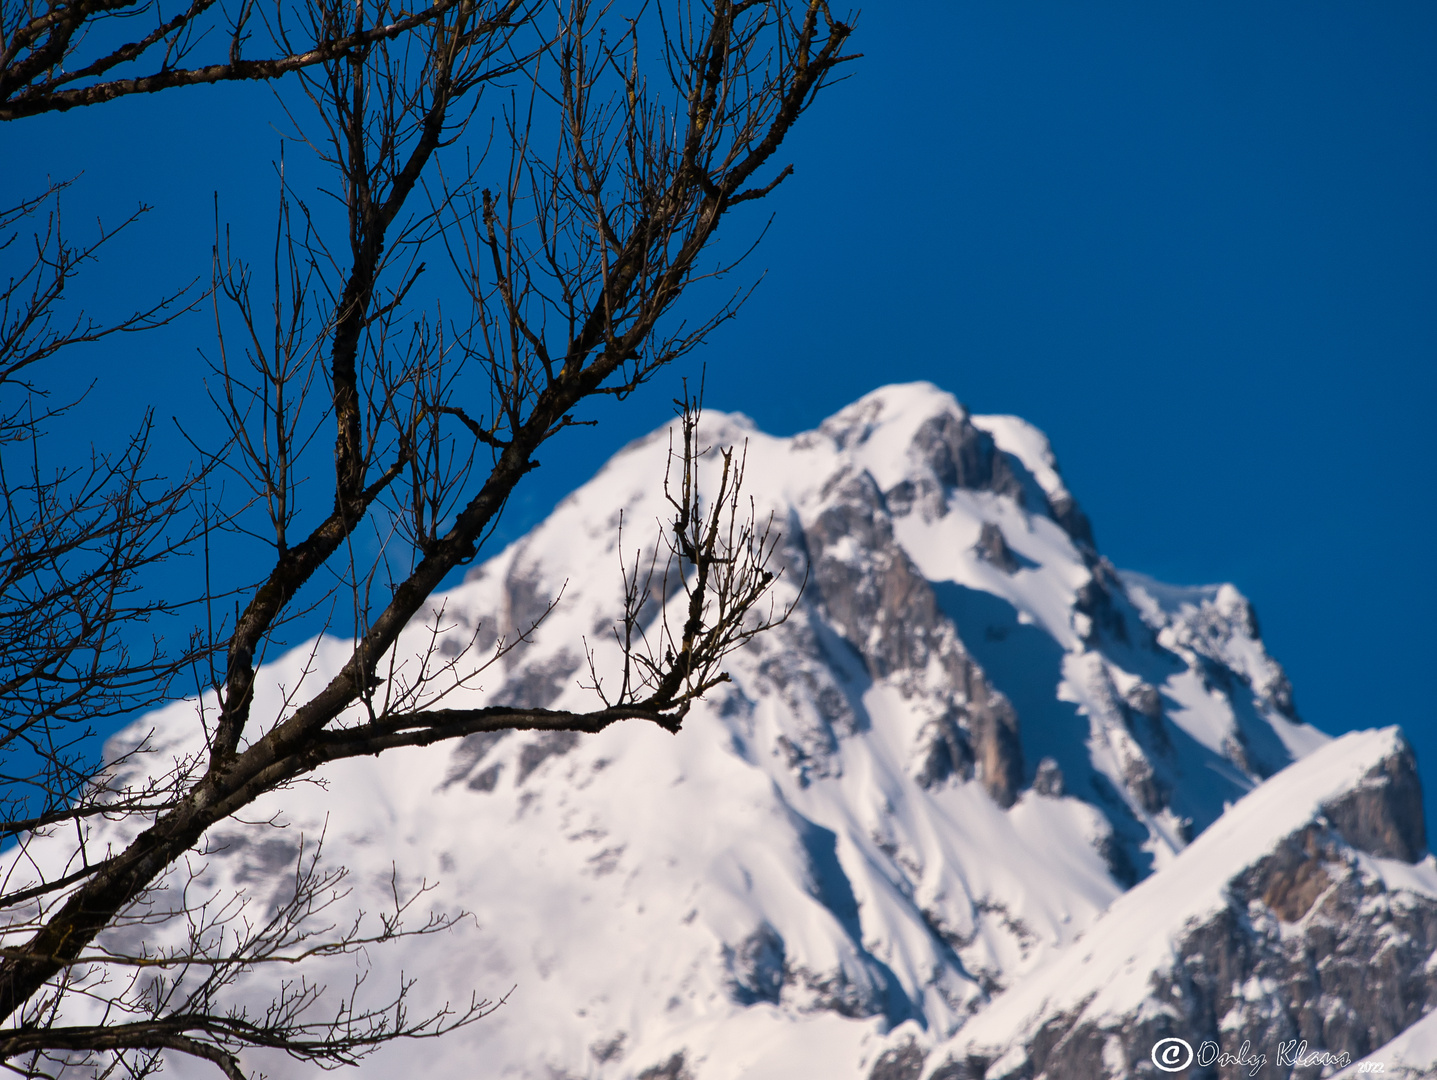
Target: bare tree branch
572	253
36	47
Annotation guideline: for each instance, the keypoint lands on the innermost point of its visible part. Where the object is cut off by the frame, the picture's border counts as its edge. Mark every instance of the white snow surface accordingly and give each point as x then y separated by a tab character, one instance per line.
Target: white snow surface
771	892
1410	1056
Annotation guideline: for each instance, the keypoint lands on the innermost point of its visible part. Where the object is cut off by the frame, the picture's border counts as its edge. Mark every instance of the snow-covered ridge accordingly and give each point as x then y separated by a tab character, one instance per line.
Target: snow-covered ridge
1299	925
970	738
1107	972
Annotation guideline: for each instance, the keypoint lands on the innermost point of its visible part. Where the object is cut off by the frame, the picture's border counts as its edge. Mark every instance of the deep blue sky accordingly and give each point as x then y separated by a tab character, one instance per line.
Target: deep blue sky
1195	243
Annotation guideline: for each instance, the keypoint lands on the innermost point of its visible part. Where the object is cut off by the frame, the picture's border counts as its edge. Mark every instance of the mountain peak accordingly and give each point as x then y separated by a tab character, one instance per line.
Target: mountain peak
971	738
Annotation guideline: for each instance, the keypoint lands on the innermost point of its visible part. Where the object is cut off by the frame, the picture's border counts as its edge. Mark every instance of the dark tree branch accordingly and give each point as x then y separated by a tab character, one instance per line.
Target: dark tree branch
572	264
40	46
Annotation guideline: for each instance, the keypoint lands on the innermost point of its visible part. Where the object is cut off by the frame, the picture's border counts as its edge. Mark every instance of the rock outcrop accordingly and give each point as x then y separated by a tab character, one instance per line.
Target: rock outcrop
869	590
1314	953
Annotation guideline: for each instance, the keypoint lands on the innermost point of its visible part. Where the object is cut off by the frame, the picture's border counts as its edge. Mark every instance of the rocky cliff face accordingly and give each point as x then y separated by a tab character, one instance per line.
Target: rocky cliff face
917	795
1313	952
870	592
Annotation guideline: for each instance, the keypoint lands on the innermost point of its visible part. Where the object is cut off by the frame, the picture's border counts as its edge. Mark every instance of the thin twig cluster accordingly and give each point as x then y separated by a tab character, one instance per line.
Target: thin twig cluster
370	429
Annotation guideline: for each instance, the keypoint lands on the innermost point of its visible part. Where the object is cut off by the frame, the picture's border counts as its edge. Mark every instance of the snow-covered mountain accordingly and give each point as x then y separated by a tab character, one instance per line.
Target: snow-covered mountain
1296	929
984	806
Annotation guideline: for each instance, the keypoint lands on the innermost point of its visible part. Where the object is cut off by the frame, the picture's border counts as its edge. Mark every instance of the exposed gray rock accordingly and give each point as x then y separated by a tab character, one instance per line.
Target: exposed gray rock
482	629
1096	599
872	594
526	601
818	692
1309	949
869	588
899	499
997	746
264	860
1145	700
993	549
971	1068
486	780
756	967
809	758
899	1063
1021	932
963	456
673	1069
606	1050
832	991
537	685
1383	815
1352	979
470	751
1278	690
659	574
1235	748
549	744
1049	779
1151	792
1120	863
803	683
1143	713
850	427
1069	515
942	751
1207	629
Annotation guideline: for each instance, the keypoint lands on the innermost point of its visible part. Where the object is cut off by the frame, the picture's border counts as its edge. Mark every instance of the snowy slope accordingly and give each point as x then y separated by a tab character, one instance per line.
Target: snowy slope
1410	1056
972	735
